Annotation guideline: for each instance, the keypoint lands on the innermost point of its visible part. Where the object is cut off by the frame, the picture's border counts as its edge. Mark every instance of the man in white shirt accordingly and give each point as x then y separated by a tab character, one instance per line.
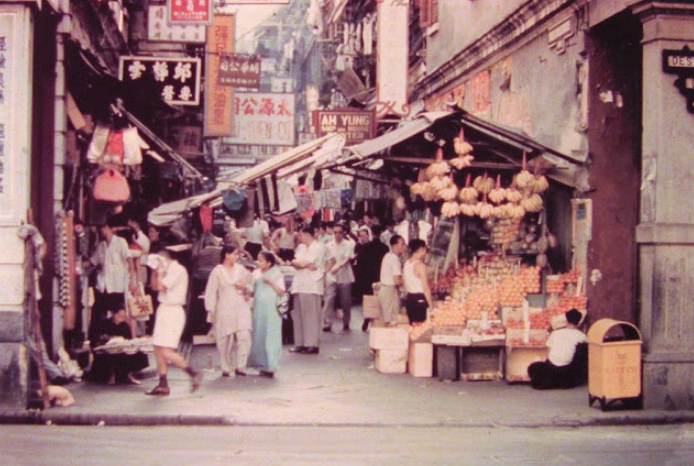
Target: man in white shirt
339	280
559	371
113	264
170	279
311	261
391	279
256	236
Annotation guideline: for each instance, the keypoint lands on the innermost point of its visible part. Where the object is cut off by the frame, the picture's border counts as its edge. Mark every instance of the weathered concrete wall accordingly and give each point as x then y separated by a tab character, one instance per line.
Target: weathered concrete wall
461	23
666	231
16	27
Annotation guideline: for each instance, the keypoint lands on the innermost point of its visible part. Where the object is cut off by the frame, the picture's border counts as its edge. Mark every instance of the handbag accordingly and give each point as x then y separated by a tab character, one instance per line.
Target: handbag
283	305
111	186
139	306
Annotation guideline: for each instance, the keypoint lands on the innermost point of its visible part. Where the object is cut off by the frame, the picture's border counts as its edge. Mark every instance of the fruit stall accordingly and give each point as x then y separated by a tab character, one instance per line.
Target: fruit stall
496	293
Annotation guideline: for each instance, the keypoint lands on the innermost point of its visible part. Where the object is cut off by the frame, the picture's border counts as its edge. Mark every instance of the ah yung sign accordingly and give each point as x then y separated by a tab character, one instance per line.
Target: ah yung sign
681	63
355	125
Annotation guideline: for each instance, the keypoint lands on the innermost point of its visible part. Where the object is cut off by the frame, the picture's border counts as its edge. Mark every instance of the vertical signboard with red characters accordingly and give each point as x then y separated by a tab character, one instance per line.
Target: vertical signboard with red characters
190	11
221	39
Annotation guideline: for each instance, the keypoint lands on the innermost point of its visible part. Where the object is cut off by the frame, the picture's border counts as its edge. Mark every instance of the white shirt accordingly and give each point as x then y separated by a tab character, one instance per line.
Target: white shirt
113	276
254	234
175	281
390	268
562	345
341	252
306	280
413	284
385	237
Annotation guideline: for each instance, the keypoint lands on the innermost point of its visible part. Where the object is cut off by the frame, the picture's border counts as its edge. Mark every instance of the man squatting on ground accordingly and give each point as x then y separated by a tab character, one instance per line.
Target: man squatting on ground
170	279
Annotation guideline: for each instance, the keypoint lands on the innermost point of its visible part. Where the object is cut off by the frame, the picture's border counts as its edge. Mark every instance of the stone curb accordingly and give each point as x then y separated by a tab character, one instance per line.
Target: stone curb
17	416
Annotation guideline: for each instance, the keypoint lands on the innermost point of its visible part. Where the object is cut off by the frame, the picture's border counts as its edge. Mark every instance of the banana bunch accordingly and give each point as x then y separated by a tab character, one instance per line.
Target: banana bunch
484	209
517	211
436	169
441	182
450	209
513	195
523	179
532	203
462	162
538	184
429	192
483	184
468	193
417	188
498	194
449	193
467	209
460	146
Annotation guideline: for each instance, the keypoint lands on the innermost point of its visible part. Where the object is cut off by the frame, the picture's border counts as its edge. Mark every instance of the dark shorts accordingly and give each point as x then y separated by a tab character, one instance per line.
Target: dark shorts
416	305
253	249
286	254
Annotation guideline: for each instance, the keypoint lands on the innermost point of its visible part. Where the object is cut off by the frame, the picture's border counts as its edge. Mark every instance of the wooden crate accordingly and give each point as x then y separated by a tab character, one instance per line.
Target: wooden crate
397	337
391	361
484	362
447	362
421	361
371	307
519	358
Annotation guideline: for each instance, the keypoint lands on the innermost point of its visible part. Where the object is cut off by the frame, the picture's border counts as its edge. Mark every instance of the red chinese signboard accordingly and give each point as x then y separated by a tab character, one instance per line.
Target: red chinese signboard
356	126
190	11
239	71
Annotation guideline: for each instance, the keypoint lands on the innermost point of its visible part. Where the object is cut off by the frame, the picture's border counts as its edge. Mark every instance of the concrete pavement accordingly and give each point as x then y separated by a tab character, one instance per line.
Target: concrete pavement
338	387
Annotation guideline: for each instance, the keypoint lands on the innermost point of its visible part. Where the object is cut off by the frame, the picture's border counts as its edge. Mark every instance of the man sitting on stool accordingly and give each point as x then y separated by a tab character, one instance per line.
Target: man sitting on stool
565	366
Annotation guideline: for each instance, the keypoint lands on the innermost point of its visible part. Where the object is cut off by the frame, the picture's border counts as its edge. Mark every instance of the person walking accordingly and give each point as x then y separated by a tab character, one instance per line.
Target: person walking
311	262
391	280
339	280
228	311
170	279
414	276
266	347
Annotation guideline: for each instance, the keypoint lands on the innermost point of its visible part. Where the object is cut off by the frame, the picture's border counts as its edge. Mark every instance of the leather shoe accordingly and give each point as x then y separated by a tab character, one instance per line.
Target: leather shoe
159	390
239	373
298	349
327	329
225	374
267	374
311	350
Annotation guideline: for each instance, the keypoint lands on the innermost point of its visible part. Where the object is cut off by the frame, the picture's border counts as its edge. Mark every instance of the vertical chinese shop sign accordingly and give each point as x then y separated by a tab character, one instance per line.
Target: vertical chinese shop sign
219	99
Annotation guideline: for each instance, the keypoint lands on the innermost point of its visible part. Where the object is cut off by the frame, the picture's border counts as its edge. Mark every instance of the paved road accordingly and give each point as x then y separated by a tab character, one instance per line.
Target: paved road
297	446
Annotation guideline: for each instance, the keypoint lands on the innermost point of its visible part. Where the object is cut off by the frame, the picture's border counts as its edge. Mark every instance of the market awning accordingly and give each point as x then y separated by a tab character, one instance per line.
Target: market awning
507	143
311	155
403	132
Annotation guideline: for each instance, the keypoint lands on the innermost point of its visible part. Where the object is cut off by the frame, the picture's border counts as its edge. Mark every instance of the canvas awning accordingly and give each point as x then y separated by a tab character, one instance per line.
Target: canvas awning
311	155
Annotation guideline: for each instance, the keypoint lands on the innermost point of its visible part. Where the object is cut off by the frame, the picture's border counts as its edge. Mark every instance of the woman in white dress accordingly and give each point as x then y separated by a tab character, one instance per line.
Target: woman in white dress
227	306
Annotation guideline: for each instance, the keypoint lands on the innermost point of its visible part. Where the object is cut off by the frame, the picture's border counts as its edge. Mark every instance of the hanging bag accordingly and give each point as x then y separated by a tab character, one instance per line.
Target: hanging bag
111	186
139	306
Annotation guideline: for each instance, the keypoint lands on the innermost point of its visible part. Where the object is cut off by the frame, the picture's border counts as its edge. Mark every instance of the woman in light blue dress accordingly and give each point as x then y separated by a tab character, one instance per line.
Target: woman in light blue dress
267	322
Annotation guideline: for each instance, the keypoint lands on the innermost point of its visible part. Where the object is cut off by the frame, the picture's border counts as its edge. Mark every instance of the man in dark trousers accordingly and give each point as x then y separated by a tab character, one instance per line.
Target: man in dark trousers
375	251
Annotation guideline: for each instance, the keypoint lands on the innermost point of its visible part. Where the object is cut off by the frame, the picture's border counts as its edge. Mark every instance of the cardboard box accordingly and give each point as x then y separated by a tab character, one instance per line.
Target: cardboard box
518	358
397	337
421	360
391	361
371	307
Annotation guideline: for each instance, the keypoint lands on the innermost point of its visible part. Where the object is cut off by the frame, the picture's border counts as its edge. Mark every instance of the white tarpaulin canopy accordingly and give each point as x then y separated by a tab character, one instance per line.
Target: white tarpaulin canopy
313	154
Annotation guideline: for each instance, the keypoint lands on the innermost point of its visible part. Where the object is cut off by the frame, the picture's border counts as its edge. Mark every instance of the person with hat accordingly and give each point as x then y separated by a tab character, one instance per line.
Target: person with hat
560	370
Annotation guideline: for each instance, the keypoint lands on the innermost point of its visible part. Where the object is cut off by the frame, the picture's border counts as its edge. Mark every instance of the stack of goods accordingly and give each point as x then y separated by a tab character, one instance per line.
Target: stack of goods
481	330
526	326
391	345
566	293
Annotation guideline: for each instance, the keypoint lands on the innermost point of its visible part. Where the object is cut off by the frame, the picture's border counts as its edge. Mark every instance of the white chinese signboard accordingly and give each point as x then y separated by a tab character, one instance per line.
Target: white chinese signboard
392	58
263	118
15	114
176	79
160	30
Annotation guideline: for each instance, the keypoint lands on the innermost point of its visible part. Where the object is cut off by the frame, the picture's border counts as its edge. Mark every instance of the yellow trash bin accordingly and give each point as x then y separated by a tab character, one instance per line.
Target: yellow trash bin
614	364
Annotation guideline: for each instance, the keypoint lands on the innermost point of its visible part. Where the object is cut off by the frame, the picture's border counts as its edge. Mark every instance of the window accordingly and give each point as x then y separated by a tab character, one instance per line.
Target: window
428	13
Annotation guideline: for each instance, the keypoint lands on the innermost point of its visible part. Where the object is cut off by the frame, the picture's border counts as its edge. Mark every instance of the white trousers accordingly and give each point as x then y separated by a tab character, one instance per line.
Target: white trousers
233	349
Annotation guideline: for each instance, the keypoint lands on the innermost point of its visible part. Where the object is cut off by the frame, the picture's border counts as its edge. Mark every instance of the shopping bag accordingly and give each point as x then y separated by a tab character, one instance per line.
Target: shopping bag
111	186
139	306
